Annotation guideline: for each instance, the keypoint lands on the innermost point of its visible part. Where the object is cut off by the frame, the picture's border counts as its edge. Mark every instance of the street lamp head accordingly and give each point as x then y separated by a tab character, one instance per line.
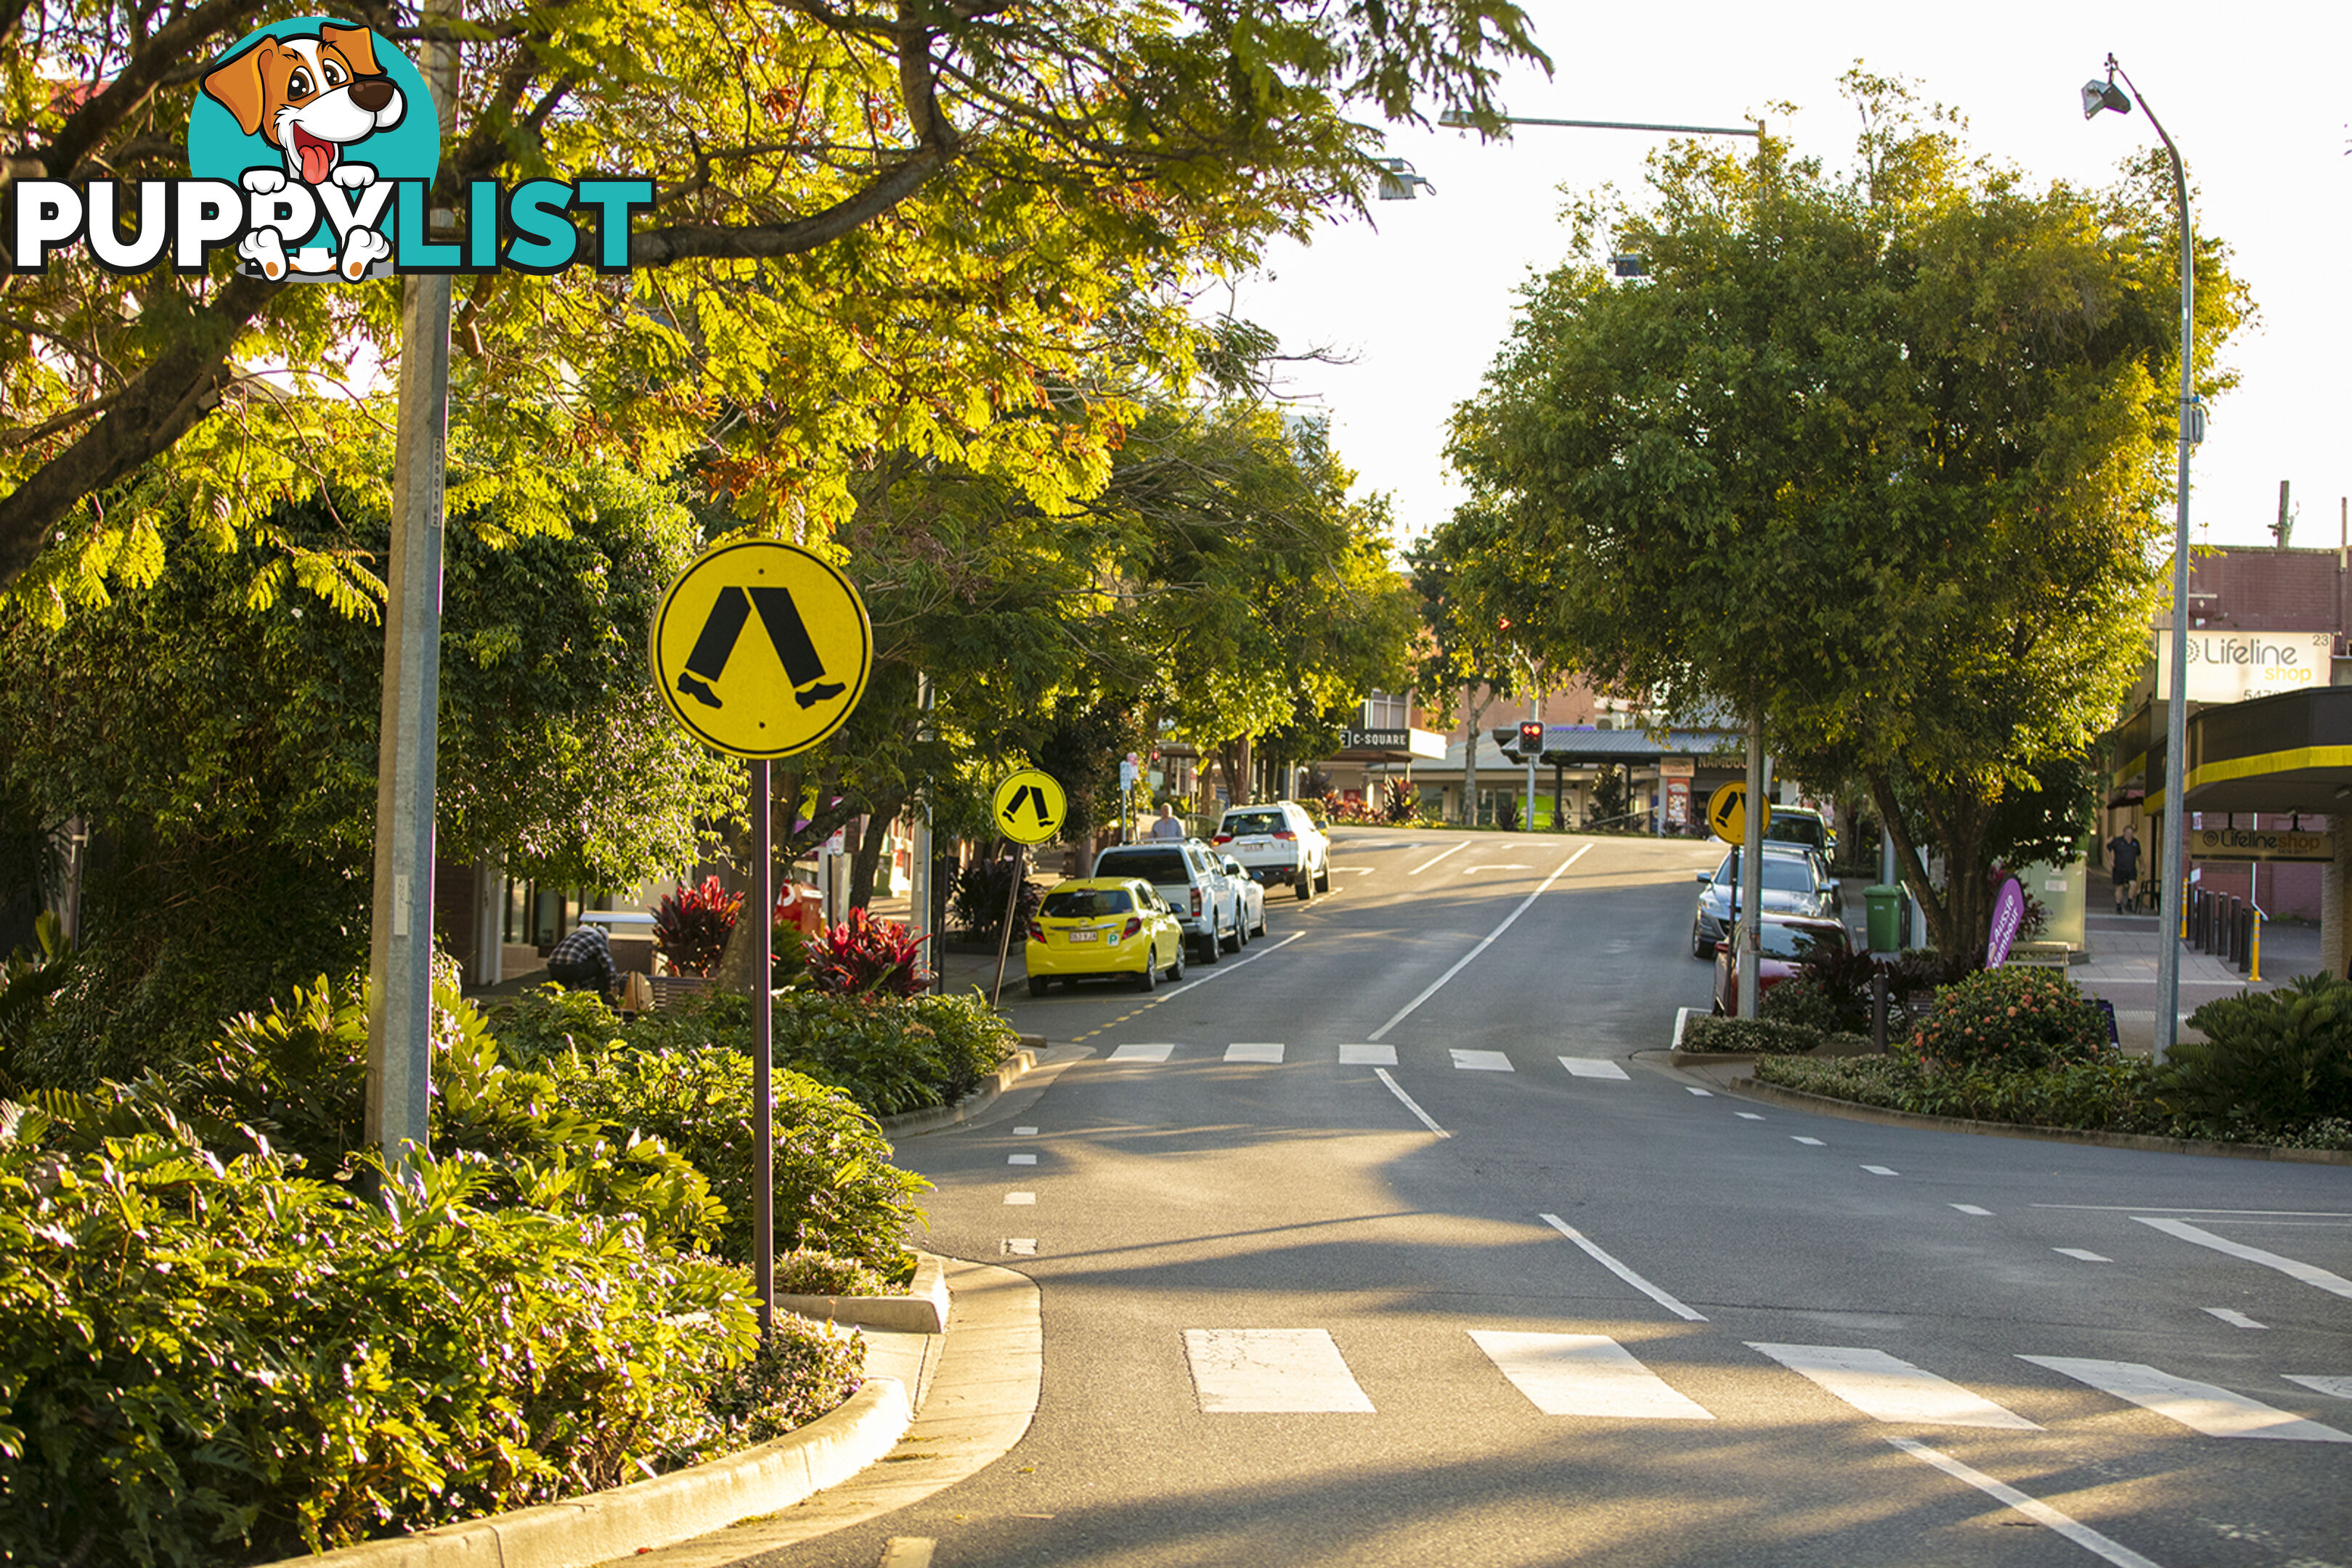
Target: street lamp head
1398	180
1456	119
2098	95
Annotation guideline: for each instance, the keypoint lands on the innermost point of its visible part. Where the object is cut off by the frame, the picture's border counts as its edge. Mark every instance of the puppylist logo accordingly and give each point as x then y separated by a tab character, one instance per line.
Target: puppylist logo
312	148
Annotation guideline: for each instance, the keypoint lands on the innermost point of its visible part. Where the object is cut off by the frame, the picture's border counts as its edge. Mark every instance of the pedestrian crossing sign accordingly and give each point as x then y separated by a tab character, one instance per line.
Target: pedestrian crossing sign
762	649
1029	807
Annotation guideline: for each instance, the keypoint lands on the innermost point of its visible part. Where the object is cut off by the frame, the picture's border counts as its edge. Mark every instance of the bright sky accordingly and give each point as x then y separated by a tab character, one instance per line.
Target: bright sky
2254	95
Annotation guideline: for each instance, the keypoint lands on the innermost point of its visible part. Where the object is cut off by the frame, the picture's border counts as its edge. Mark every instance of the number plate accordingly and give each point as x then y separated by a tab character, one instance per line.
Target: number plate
1085	935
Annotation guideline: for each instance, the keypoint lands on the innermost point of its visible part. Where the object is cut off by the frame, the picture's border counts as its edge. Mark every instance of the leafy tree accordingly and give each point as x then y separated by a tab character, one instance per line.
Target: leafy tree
1879	458
906	227
1468	644
225	749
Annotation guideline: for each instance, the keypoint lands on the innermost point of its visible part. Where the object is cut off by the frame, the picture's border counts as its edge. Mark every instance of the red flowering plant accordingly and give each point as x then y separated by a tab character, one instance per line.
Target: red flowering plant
2017	1017
691	926
863	956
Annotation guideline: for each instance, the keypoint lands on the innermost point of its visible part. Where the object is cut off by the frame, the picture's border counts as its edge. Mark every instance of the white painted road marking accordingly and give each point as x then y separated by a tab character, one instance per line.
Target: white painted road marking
2328	1383
1593	1067
1881	1170
1018	1199
1481	1060
1174	991
1296	1371
1622	1272
1024	1132
2041	1512
1584	1374
1426	1119
1484	942
1748	1116
1887	1389
2307	1273
1972	1208
1439	856
907	1551
1799	1138
2082	1253
2200	1406
1020	1159
2234	1318
1514	865
1142	1054
1367	1056
1021	1245
1707	1094
1261	1050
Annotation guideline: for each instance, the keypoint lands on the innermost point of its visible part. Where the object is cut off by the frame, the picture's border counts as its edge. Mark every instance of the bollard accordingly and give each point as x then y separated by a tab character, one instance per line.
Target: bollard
1878	1009
2254	952
2237	931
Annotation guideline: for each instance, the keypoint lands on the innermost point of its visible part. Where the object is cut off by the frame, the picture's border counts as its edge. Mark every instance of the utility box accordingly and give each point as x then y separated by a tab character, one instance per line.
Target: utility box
1884	902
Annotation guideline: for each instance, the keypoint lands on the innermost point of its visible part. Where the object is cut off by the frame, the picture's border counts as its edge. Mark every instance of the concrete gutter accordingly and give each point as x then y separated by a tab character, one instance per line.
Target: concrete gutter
923	1310
906	1123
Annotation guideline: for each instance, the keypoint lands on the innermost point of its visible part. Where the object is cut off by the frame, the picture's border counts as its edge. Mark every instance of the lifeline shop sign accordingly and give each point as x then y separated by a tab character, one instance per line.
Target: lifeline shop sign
2260	844
2226	666
312	147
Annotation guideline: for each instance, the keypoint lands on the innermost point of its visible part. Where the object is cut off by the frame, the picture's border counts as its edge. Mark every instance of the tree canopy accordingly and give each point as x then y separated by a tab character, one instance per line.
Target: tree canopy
1878	456
909	227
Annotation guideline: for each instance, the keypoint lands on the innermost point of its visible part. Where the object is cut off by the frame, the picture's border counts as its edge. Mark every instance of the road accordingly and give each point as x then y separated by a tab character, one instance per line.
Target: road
1376	1245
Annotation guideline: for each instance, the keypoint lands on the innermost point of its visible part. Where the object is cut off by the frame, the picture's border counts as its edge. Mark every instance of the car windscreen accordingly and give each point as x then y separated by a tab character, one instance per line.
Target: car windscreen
1156	866
1788	830
1085	902
1783	874
1799	942
1239	823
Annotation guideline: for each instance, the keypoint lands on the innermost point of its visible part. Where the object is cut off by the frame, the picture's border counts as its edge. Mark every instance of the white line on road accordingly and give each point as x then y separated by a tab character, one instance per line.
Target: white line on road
2204	1407
2041	1512
1881	1170
1435	858
2138	1208
1512	865
2310	1274
1292	1371
1020	1199
1972	1208
1703	1093
2325	1383
1020	1159
1153	1052
1351	869
1584	1374
1480	1061
1813	1143
2083	1254
1682	1017
1224	969
907	1551
1622	1272
1260	1050
1886	1389
1426	1119
1367	1056
1024	1132
2234	1318
1593	1067
1021	1247
1484	942
1748	1115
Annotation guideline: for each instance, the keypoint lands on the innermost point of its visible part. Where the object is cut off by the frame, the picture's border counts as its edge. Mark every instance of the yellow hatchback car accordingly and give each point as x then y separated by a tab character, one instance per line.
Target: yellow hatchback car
1093	925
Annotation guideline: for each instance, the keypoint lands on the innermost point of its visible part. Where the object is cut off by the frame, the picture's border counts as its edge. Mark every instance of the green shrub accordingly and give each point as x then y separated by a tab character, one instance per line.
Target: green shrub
2270	1063
1864	1079
691	926
863	956
207	1360
2012	1018
806	1274
1761	1035
547	1020
836	1188
2106	1093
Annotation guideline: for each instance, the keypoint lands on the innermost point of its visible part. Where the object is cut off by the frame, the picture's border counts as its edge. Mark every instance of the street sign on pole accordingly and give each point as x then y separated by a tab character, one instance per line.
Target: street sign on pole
1726	813
762	649
1029	807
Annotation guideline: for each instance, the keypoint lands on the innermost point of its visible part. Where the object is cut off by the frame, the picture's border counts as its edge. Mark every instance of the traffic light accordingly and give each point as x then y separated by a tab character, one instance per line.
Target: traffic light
1531	737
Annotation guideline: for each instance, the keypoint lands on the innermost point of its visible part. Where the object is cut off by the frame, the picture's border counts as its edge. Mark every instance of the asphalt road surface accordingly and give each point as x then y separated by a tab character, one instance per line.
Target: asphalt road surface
1375	1245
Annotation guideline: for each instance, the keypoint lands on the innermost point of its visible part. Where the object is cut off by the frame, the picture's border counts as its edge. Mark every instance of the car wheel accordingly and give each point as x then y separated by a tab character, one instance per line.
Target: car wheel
1304	886
1323	877
1240	930
1233	940
1208	949
1261	919
1700	947
1176	965
1149	973
1039	985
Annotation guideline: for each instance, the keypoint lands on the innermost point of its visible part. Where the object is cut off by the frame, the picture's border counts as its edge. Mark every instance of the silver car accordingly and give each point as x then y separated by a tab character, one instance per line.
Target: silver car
1796	882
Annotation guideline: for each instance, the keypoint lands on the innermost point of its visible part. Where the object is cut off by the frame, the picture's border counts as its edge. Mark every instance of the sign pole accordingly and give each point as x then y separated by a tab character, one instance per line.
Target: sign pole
763	1089
1011	904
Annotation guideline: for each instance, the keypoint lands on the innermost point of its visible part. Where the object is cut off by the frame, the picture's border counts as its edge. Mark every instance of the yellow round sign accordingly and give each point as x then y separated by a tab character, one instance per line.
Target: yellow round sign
1726	813
1029	807
762	649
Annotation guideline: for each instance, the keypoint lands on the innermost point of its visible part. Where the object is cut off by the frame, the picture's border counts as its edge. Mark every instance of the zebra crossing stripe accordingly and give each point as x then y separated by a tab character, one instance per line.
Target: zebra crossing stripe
1584	1374
1266	1371
1886	1389
1593	1067
1142	1052
1261	1050
1481	1060
2204	1407
2308	1273
2332	1386
1367	1056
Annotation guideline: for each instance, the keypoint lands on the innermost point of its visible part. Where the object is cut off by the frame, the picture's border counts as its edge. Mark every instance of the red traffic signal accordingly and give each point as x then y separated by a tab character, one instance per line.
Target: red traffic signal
1531	737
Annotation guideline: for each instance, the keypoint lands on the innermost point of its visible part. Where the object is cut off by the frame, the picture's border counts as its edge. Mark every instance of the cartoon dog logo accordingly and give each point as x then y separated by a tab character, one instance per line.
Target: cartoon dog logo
311	97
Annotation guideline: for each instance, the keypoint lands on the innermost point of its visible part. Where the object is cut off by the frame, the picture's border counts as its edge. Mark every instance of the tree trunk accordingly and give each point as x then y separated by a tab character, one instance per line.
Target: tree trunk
1470	755
868	859
1959	918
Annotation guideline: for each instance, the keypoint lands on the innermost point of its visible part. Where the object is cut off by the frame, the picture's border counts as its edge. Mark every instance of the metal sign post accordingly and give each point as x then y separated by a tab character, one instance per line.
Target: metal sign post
763	1036
1011	908
1029	808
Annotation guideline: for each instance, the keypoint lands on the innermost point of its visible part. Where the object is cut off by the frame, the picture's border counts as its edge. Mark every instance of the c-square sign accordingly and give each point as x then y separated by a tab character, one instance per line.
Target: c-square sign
2230	666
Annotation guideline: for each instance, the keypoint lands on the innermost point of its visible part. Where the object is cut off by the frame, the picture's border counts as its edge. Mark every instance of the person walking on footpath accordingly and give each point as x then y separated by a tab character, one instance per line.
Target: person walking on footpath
1167	827
2123	865
583	959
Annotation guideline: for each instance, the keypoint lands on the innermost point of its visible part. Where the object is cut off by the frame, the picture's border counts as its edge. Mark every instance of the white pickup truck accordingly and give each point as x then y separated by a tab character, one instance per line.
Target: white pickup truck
1277	841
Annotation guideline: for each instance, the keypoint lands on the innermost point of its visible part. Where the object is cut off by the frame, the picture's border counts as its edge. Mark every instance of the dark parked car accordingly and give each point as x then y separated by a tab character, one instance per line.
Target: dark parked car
1796	882
1788	944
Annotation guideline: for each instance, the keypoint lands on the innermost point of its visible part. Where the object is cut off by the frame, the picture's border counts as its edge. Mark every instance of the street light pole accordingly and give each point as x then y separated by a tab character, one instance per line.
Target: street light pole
2172	855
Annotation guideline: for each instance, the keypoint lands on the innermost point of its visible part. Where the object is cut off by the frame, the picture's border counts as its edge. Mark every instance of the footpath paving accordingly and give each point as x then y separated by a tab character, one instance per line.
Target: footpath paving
2123	951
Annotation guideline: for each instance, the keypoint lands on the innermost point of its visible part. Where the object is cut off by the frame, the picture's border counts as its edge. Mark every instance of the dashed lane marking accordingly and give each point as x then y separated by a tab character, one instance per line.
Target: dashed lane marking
2308	1273
2204	1407
1367	1056
2041	1512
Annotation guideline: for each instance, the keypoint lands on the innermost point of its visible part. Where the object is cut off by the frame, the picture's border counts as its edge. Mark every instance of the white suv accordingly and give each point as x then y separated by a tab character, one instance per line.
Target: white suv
1278	843
1206	904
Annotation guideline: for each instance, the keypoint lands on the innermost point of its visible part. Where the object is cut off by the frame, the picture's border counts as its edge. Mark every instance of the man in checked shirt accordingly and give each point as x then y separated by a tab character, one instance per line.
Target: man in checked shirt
583	959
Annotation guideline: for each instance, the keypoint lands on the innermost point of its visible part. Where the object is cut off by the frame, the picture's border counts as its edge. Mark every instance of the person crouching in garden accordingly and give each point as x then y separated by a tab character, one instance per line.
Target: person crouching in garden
584	959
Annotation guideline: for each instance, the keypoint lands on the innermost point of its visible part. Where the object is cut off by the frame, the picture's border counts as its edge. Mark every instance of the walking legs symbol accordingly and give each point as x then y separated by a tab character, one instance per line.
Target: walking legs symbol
786	634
